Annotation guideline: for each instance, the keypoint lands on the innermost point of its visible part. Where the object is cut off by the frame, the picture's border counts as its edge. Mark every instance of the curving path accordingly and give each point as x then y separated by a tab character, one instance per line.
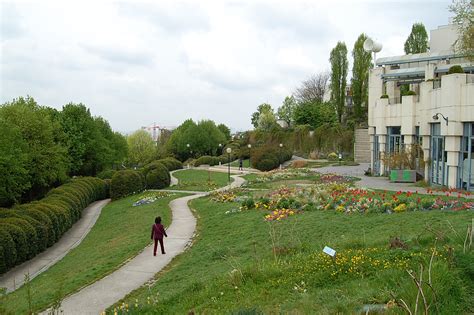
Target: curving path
14	278
136	272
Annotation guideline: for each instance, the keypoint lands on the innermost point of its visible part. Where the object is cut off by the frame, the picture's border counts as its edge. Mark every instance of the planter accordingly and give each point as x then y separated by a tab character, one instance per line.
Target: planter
403	176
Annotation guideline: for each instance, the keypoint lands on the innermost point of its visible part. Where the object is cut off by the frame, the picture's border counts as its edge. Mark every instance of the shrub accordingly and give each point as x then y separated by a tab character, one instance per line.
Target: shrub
209	160
299	164
37	225
8	255
171	163
107	174
384	96
19	238
410	93
333	156
126	182
158	178
455	69
267	158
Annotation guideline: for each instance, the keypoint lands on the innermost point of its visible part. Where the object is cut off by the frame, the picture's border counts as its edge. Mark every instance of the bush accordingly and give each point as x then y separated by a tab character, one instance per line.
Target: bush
267	158
333	156
126	182
410	93
209	160
107	174
34	226
158	178
299	164
384	96
455	69
171	163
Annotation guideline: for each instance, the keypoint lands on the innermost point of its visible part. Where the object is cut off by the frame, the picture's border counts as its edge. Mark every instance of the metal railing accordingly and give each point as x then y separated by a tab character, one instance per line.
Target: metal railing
436	84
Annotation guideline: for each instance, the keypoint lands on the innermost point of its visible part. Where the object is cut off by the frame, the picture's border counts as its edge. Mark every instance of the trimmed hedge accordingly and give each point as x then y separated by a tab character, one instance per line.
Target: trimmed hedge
210	160
107	174
455	69
267	158
28	229
125	183
171	163
158	178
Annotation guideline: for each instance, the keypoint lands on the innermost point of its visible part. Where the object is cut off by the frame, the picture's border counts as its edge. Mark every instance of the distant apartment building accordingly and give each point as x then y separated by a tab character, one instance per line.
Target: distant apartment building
438	119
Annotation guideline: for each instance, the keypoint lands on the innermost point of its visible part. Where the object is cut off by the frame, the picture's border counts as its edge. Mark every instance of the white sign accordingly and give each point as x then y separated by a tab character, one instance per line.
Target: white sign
328	250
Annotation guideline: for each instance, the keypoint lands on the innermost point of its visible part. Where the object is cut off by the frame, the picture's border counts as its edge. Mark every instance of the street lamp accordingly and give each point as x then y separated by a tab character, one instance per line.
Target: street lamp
250	156
220	151
187	145
229	151
279	158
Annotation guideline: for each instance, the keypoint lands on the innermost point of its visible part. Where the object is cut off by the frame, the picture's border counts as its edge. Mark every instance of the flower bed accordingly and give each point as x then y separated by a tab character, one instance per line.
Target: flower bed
150	197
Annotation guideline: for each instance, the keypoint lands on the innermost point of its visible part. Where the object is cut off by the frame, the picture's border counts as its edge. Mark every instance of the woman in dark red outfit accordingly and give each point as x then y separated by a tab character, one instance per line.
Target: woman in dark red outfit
157	232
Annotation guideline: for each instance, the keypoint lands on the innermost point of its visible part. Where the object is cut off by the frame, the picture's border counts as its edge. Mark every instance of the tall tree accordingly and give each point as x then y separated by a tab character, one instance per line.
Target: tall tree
313	89
314	114
48	164
360	78
286	110
225	130
14	164
464	18
339	66
141	148
417	41
267	120
261	108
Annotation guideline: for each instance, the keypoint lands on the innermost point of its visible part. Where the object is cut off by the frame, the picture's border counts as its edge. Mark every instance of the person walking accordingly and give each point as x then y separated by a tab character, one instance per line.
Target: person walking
241	162
157	232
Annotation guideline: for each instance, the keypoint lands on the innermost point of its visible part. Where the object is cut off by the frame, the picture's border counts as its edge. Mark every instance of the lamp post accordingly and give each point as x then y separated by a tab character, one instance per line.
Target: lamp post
187	145
229	151
220	151
279	158
250	156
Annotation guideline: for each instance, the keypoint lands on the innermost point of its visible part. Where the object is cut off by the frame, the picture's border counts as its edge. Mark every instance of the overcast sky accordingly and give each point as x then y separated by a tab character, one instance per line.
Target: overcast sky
139	62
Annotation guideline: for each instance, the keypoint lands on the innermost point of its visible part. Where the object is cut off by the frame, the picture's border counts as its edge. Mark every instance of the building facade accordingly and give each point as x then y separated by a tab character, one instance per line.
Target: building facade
436	120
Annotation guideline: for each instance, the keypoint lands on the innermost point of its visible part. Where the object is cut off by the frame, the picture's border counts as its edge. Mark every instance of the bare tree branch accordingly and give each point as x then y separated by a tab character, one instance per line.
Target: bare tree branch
313	88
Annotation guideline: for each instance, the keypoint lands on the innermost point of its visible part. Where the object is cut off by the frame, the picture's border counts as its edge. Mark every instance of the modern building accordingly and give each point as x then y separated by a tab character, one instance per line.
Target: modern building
437	120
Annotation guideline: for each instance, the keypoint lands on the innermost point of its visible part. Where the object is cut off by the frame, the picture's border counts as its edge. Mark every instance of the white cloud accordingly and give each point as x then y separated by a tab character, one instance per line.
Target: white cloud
138	62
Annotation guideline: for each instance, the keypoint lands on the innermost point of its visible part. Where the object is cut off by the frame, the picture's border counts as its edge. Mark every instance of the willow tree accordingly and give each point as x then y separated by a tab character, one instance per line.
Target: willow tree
339	66
417	41
360	78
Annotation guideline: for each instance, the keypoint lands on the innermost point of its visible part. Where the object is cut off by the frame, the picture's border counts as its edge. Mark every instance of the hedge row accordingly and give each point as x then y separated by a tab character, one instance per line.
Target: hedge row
171	164
267	158
210	160
126	182
28	229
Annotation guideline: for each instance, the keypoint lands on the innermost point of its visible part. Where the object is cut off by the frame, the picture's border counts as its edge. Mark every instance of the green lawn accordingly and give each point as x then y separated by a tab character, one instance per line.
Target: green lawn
120	233
236	266
200	180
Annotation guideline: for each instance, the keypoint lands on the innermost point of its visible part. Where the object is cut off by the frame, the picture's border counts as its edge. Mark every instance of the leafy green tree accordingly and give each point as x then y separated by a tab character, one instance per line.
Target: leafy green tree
225	130
339	66
141	148
203	139
261	108
464	18
14	164
213	136
417	41
267	121
78	126
360	78
315	114
286	111
48	164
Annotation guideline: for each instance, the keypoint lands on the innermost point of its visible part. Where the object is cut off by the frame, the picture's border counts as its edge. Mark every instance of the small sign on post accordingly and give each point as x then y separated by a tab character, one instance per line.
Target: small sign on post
329	251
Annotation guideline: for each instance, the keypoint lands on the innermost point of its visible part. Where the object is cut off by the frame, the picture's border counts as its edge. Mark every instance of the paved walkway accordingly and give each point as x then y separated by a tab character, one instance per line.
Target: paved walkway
14	278
139	270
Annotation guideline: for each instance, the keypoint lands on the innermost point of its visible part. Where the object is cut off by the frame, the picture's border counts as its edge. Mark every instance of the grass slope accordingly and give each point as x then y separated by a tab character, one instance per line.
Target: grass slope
120	233
198	180
232	266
